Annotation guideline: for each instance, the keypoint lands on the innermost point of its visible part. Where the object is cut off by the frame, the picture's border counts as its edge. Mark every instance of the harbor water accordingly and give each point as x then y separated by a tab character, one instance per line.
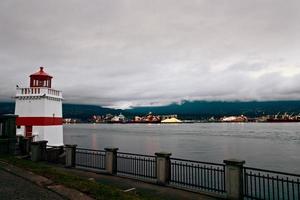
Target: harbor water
274	146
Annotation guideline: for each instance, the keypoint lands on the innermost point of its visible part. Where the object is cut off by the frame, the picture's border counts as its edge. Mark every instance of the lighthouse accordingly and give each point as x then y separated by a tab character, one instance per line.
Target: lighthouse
39	110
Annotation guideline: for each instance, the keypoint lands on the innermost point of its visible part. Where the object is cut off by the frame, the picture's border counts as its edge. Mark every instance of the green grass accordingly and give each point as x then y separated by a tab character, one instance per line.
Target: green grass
93	189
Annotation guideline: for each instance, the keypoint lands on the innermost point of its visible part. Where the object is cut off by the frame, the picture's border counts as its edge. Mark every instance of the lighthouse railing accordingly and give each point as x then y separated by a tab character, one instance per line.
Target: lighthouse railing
38	91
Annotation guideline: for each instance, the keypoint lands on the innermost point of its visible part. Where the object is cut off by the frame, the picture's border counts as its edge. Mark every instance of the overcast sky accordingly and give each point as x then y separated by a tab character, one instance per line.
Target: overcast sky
121	53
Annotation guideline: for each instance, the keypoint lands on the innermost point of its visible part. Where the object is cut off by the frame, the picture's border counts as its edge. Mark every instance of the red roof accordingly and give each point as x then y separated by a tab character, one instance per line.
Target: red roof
41	73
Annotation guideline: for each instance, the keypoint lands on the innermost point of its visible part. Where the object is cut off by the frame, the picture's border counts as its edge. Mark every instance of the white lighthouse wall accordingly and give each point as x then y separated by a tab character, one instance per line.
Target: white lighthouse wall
53	134
41	107
53	108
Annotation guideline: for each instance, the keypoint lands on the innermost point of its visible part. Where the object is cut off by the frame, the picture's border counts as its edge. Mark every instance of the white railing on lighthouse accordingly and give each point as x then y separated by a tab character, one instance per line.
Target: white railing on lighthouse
38	91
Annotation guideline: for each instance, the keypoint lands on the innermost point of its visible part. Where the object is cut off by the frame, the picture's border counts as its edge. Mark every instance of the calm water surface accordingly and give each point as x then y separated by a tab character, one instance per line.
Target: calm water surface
265	145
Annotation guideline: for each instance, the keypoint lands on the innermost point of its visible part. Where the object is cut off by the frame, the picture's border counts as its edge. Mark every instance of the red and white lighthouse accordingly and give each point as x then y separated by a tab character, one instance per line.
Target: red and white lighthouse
39	110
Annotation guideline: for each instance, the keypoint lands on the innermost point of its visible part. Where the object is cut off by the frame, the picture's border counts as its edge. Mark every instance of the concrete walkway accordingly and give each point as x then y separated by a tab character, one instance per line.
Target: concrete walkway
14	187
17	183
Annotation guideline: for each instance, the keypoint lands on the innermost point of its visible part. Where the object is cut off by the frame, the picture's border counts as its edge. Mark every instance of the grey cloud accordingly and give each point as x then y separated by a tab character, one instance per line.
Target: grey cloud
128	53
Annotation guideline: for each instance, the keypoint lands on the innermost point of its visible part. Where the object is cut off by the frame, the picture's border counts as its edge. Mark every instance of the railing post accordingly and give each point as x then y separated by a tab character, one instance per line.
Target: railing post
70	155
25	144
111	160
38	150
234	178
163	167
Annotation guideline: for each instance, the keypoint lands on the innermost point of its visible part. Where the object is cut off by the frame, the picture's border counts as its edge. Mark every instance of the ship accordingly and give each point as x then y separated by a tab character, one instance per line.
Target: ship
240	118
149	118
283	118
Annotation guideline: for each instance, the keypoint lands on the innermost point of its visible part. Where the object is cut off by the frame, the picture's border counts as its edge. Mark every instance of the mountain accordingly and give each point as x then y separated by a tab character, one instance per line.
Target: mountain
84	112
185	110
204	109
7	108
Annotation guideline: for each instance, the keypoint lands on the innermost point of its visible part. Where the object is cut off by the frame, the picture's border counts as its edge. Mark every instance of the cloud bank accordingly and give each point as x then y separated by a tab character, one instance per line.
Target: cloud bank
125	53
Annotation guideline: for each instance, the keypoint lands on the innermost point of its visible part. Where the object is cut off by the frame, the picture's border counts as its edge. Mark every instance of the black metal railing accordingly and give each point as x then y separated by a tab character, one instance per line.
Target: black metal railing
89	158
198	175
136	165
267	184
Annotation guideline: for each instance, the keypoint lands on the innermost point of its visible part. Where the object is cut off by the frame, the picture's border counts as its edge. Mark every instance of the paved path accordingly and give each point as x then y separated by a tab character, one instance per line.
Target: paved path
13	187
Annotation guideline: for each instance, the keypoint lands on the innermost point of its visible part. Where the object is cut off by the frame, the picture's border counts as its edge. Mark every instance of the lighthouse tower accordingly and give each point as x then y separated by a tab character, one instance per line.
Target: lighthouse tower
39	110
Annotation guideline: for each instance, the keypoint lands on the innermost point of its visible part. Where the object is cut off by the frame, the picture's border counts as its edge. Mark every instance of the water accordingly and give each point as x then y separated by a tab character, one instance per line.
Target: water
273	146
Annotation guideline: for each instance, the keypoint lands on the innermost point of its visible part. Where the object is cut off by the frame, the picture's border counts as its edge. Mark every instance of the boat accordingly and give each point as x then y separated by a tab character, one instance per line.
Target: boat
283	118
240	118
149	118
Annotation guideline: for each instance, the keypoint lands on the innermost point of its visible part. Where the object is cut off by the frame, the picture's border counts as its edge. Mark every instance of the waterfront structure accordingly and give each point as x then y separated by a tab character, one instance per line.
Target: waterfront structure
39	110
171	120
240	118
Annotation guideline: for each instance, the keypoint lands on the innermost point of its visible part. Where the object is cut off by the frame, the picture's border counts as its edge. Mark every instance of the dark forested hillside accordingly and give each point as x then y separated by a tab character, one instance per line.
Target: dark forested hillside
187	110
199	109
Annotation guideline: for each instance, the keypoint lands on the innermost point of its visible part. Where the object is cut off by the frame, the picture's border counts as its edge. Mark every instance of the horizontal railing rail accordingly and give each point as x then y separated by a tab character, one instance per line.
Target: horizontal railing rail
136	165
55	147
198	175
89	158
268	184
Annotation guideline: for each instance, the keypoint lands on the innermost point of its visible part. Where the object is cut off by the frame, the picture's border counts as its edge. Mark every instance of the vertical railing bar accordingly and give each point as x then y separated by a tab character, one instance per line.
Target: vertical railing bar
209	178
287	188
255	183
293	187
182	173
259	185
251	189
268	188
144	164
136	159
192	175
197	175
264	186
134	167
245	182
205	177
177	171
186	174
218	180
277	180
201	168
224	183
146	167
273	187
298	187
214	175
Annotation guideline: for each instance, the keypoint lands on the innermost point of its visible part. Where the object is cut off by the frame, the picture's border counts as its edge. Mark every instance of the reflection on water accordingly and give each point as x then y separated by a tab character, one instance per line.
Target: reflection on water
264	145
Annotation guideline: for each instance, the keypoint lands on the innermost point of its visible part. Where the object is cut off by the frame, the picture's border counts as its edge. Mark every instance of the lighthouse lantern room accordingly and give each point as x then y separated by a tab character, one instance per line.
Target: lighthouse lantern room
39	110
